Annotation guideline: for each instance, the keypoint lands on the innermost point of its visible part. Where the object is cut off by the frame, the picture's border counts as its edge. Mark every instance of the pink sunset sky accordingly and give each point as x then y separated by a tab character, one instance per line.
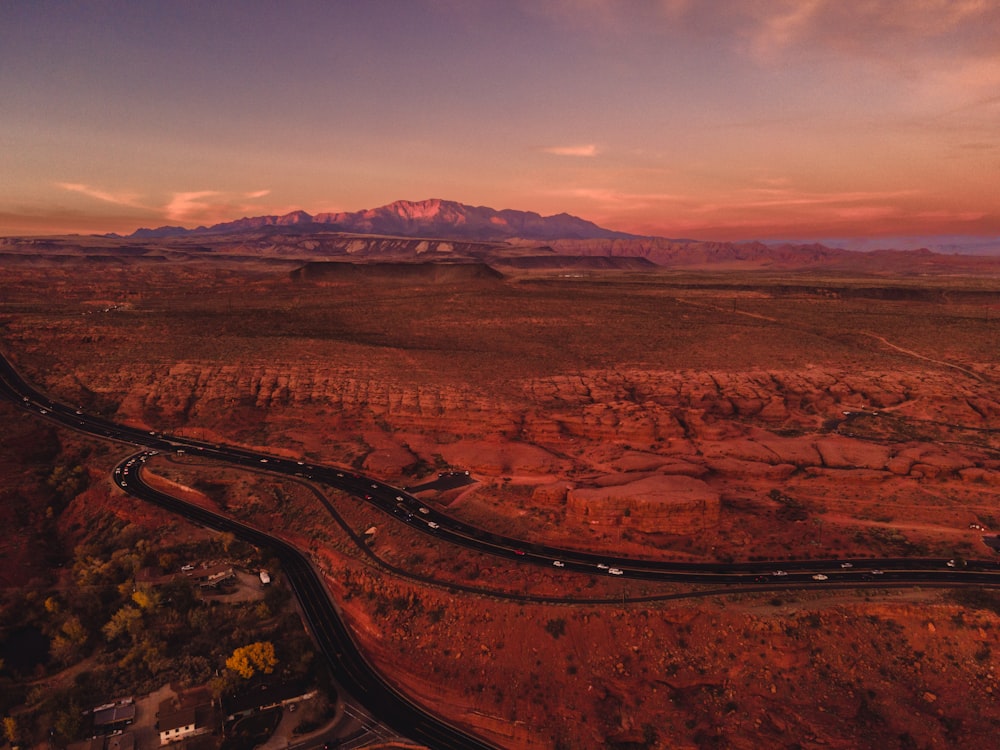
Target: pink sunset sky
716	119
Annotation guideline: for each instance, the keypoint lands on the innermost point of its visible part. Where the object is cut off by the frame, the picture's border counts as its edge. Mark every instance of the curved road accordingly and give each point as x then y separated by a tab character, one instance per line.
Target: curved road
408	509
350	667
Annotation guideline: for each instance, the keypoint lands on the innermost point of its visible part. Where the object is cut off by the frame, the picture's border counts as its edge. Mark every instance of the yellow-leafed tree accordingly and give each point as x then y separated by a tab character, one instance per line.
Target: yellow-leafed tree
248	660
11	729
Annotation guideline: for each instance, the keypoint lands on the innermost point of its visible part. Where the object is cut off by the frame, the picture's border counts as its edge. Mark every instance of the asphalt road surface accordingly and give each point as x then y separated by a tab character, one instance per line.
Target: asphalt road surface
351	669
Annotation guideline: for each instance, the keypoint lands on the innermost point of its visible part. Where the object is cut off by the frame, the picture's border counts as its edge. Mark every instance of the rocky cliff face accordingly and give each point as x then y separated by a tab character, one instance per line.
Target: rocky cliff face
653	450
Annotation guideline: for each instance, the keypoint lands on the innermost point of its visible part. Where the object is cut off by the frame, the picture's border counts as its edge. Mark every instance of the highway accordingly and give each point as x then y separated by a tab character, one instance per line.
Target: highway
406	508
348	665
350	669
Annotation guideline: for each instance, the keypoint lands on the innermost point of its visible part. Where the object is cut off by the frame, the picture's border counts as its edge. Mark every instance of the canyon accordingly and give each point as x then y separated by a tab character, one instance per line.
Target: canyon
759	414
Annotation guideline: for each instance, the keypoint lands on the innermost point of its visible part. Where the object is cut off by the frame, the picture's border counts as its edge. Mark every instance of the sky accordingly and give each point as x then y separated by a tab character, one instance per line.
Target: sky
713	119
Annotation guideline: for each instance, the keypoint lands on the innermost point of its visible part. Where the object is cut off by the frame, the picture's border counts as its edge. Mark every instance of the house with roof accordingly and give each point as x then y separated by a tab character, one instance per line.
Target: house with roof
113	717
175	723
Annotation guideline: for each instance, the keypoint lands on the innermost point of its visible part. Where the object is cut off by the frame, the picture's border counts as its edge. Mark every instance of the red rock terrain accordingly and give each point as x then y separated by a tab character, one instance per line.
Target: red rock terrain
688	419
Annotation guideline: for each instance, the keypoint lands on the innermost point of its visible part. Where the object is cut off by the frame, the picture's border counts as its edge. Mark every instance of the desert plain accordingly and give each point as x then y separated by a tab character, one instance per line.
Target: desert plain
687	415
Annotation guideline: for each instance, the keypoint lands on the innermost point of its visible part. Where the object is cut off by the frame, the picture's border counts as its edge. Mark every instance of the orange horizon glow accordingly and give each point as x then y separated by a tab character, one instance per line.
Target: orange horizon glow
736	121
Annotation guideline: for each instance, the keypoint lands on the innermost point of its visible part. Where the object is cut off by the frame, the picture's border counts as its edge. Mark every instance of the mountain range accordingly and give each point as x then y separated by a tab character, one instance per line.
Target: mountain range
428	218
447	231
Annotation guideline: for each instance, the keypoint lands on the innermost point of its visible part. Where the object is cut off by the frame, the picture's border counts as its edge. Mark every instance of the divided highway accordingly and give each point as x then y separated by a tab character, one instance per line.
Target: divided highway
348	664
408	509
351	670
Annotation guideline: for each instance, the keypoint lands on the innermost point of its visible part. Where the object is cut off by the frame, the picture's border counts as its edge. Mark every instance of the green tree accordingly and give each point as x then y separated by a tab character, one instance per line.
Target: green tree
556	627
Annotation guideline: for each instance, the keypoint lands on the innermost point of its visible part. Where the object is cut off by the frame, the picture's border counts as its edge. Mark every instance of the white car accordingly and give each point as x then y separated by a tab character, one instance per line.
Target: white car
820	577
847	565
423	510
432	525
780	573
602	566
615	571
559	563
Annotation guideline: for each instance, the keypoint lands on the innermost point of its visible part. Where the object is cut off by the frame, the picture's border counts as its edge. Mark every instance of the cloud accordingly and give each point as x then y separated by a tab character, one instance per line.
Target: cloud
587	149
118	199
190	205
210	206
911	38
616	198
767	198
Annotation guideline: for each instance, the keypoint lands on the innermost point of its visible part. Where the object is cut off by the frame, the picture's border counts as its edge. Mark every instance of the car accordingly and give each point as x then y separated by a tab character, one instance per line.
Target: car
559	563
847	565
431	525
424	510
187	567
951	563
263	460
519	552
615	571
602	566
876	572
820	577
374	486
300	463
779	573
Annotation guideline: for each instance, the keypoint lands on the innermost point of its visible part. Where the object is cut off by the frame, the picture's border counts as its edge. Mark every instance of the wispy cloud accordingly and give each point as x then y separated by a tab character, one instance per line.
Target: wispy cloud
211	205
770	197
183	206
612	197
586	149
117	198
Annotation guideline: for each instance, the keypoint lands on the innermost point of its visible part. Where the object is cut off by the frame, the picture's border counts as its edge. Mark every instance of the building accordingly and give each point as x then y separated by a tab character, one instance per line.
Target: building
264	698
175	723
212	577
113	717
